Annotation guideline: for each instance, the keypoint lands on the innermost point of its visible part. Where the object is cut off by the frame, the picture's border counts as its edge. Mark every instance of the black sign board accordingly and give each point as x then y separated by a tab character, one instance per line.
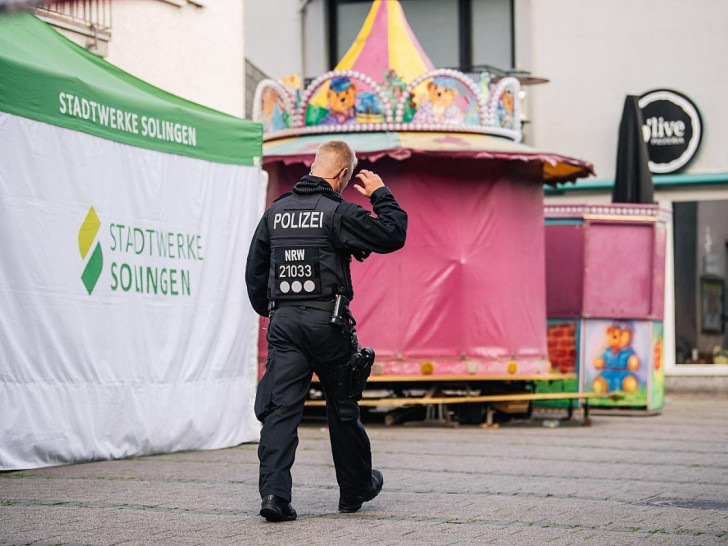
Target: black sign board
672	129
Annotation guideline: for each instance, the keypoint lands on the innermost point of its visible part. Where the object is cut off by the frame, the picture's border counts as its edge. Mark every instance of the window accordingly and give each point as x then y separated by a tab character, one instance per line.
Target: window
701	263
493	34
462	34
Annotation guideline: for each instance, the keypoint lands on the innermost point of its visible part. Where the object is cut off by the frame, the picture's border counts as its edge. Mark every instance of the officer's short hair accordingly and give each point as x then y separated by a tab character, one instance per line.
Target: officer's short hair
342	150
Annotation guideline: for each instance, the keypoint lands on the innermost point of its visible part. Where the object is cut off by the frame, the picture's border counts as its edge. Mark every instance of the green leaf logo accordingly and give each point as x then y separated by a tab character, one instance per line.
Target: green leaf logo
86	236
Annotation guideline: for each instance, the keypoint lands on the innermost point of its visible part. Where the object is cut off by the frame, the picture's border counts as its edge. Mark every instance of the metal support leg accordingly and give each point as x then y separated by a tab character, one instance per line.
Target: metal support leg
587	419
449	423
570	414
489	412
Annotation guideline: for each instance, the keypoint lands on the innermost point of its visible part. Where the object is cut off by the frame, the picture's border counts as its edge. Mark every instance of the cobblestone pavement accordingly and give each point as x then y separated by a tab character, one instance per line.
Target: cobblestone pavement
624	480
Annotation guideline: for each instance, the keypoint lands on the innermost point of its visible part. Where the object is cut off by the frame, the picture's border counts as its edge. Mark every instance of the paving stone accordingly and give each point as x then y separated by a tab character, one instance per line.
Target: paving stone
625	480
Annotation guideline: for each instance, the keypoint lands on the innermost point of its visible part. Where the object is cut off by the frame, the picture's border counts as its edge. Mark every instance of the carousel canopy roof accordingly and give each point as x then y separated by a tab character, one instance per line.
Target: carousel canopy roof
386	99
386	42
402	145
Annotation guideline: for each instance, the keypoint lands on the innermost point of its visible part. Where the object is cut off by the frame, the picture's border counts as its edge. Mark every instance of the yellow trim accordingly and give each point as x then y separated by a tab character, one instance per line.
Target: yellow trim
474	377
472	399
621	218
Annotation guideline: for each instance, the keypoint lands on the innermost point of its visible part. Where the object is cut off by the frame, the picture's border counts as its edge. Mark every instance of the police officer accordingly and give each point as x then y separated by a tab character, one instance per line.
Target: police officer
298	263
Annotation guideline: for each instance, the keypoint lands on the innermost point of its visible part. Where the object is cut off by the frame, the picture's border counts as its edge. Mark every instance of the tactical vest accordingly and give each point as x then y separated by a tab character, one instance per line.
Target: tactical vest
304	265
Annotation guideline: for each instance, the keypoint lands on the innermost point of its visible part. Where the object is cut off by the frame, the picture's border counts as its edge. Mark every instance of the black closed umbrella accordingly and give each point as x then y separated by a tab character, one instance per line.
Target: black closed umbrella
632	180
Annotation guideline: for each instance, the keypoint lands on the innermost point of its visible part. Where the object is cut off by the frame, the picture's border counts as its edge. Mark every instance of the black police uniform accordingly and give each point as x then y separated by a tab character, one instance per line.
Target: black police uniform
299	259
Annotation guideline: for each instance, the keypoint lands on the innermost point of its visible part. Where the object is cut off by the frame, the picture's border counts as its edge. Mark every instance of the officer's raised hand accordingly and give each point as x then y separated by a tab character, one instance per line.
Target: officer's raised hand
371	182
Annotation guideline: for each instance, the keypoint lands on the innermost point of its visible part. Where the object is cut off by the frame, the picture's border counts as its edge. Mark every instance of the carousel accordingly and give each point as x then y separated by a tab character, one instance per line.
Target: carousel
463	305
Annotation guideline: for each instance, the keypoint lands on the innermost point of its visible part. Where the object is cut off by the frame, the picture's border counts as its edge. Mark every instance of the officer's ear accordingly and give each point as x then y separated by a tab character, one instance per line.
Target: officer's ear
343	180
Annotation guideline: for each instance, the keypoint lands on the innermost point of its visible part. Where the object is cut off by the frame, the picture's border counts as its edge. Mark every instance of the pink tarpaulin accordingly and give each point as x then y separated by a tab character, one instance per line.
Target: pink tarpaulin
466	295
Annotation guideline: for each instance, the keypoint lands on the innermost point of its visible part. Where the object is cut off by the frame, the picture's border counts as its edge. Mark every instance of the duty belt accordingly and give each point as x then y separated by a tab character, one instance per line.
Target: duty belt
316	304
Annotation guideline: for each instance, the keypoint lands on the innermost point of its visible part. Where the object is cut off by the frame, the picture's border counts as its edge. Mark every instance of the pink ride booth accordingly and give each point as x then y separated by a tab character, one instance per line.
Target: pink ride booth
605	293
466	295
465	300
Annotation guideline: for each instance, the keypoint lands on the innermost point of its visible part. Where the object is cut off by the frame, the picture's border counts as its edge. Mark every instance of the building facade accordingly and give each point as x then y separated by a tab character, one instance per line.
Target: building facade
596	53
191	48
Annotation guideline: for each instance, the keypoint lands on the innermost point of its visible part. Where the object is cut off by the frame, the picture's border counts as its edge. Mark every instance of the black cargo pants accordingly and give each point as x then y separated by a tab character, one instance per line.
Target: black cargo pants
302	341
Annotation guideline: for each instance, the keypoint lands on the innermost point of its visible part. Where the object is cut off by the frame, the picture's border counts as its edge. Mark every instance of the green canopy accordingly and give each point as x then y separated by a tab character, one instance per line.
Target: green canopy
46	77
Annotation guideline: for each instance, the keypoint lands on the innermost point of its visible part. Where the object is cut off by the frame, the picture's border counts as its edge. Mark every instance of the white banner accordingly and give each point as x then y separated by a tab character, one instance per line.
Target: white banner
125	327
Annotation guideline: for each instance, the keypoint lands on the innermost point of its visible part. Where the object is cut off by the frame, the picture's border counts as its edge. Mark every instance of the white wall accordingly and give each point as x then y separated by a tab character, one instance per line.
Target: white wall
522	13
194	52
595	52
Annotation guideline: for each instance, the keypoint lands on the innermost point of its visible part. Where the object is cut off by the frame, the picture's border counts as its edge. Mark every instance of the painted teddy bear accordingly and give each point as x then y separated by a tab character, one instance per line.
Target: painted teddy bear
440	106
618	362
342	102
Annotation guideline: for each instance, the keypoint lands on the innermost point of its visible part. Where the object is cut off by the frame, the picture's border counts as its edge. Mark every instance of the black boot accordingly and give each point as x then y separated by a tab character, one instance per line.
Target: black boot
277	509
353	504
